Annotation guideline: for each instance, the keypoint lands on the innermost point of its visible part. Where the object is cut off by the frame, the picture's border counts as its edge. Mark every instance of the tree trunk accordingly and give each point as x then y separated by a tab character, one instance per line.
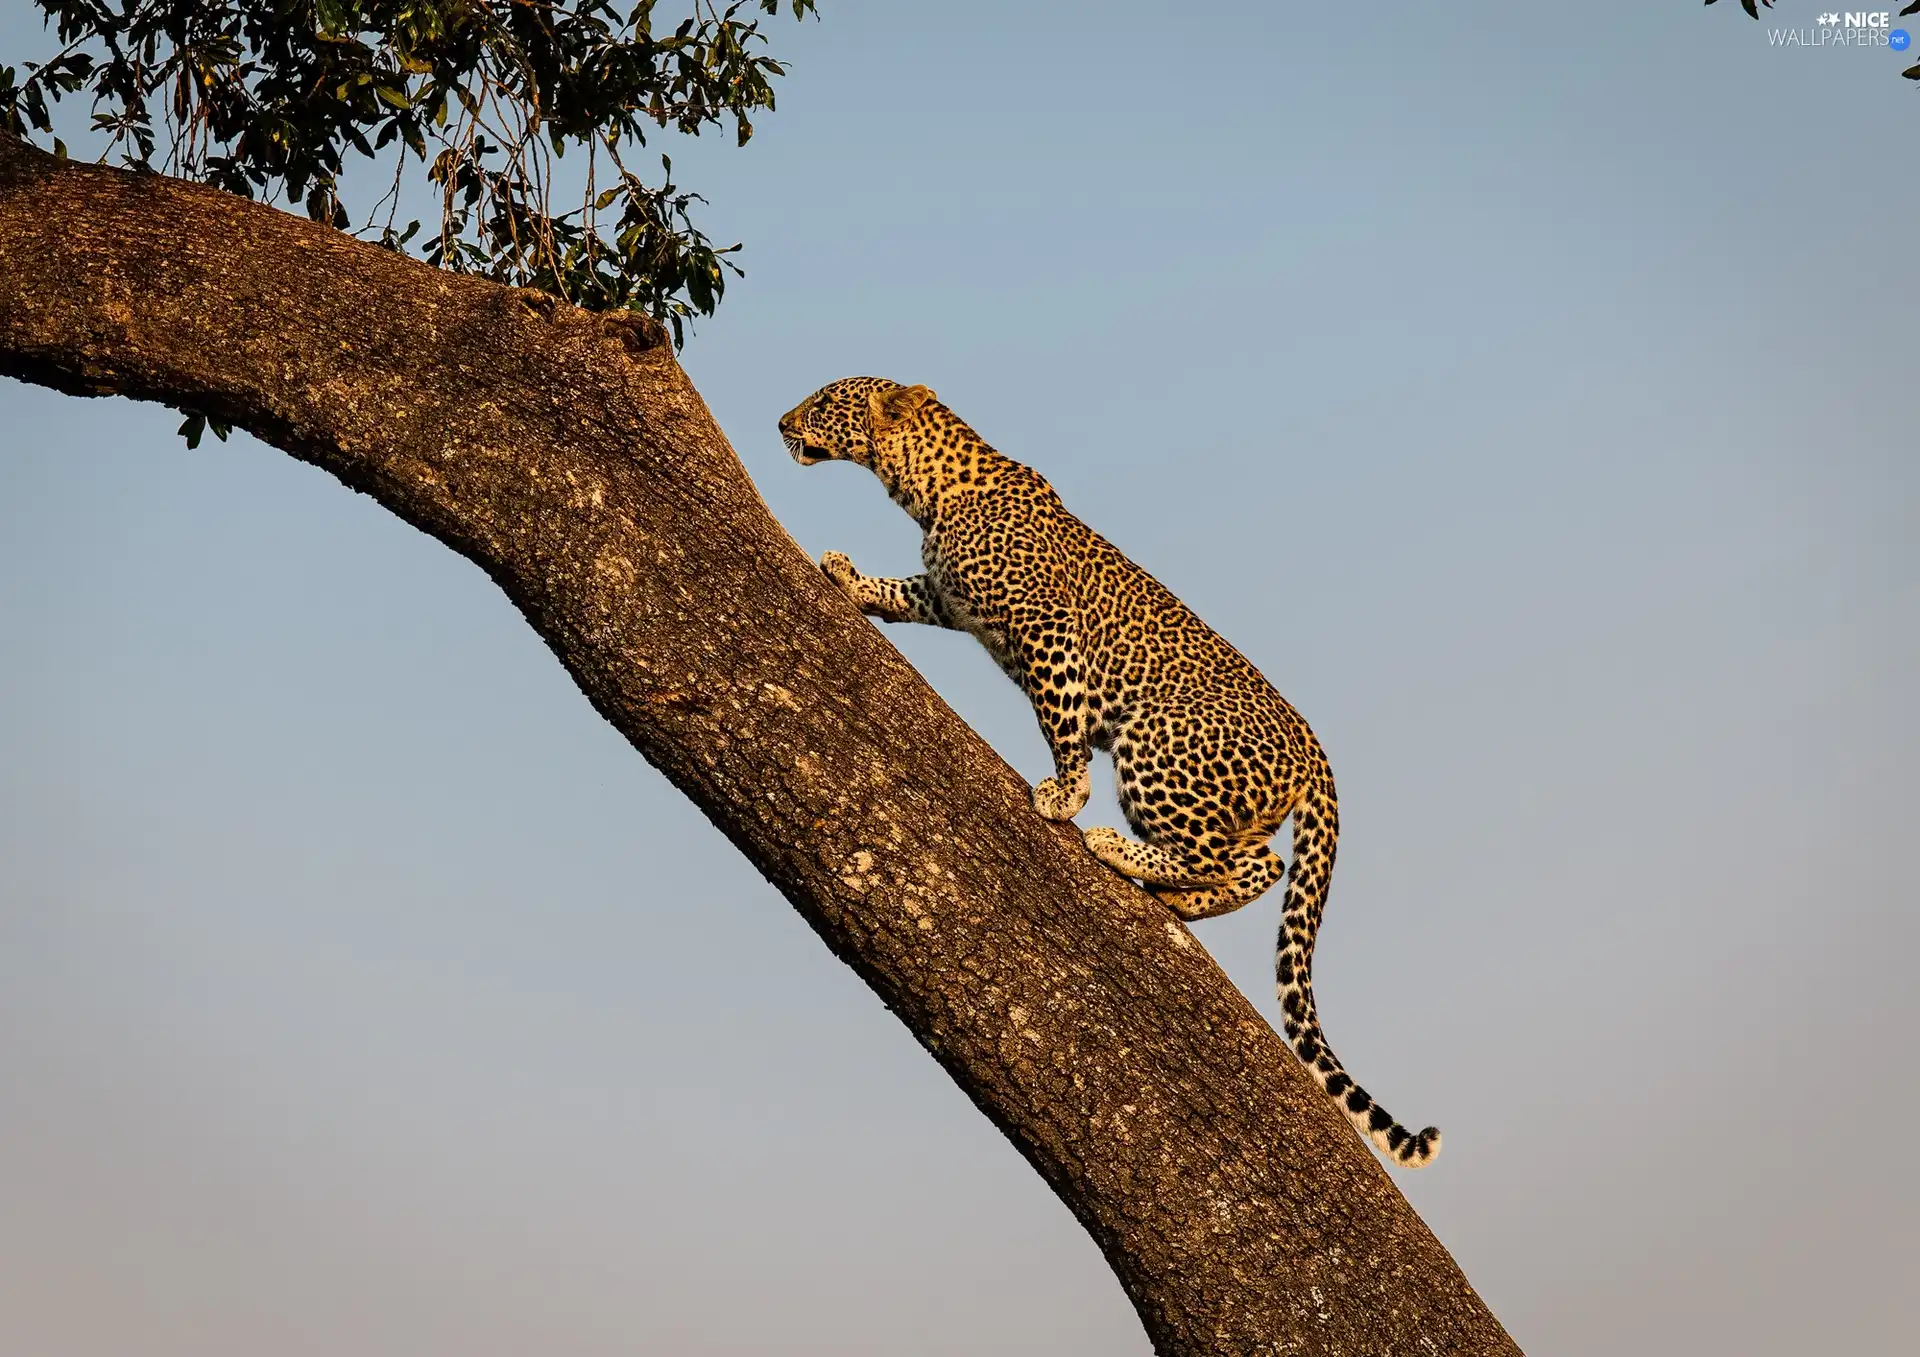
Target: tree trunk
568	455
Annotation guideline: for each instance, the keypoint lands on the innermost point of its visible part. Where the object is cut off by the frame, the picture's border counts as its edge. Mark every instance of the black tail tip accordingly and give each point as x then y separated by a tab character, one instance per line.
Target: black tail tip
1420	1150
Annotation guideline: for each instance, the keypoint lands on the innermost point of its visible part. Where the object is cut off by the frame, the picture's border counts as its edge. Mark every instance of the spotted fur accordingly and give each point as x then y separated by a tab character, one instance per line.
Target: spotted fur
1208	759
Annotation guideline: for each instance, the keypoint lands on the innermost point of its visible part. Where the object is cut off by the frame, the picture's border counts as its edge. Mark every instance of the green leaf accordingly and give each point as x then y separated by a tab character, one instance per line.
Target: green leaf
271	99
192	428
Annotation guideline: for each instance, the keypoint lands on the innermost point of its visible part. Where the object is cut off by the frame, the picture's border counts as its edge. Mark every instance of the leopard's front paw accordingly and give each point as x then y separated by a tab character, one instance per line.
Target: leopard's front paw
1057	801
840	570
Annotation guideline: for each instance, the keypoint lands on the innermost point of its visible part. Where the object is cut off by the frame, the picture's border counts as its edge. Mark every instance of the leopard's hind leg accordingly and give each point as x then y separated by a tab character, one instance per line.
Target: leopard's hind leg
1205	849
1181	865
1254	867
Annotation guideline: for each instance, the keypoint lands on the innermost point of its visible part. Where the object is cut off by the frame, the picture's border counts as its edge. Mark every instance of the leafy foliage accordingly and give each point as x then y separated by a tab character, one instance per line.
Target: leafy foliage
271	98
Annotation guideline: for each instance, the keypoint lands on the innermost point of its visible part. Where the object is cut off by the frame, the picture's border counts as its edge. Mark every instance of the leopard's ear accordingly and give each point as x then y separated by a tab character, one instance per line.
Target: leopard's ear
890	409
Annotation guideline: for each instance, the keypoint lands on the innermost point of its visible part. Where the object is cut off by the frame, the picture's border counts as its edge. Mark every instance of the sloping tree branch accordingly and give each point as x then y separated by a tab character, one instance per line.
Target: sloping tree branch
567	455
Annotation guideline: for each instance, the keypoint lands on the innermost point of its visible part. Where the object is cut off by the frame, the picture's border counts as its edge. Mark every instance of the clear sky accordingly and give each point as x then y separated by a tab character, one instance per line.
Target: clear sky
1525	387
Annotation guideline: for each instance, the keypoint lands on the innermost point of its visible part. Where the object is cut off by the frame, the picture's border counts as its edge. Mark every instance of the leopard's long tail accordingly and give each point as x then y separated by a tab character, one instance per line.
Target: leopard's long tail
1316	833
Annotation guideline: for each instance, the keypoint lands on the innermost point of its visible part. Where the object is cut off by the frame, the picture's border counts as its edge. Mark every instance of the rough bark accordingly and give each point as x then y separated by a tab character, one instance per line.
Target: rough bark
568	455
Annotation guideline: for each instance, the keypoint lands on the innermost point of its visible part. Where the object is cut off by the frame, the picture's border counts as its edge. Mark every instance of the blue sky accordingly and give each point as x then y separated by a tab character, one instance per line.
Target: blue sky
1525	389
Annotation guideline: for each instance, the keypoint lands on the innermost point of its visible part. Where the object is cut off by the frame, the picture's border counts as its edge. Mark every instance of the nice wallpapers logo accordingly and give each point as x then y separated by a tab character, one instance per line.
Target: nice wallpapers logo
1848	28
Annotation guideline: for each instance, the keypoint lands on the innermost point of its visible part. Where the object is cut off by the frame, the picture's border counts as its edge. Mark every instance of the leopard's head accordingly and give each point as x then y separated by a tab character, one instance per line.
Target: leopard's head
844	420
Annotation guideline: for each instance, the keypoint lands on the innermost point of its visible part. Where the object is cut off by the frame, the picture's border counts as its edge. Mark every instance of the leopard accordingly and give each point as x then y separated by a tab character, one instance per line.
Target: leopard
1209	760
